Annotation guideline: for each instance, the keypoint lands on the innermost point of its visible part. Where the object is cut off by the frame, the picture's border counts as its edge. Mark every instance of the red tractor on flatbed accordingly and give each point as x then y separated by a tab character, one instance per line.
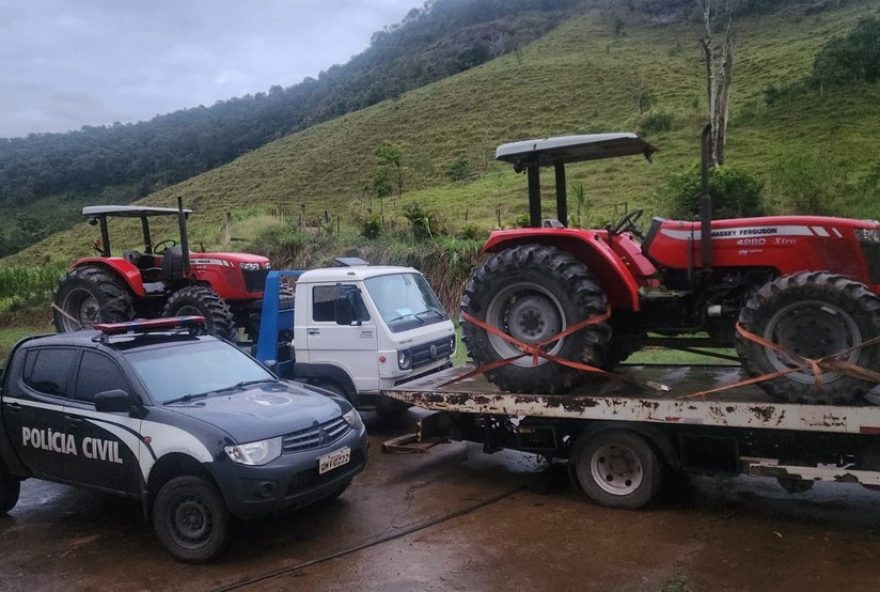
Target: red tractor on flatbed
164	280
809	284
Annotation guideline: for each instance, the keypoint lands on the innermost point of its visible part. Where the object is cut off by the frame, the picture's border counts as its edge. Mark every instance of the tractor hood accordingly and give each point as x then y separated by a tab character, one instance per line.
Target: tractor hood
235	258
271	409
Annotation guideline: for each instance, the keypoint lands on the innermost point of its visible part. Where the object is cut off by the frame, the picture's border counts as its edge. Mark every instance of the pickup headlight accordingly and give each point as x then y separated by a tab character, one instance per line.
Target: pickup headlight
404	360
353	418
255	453
250	266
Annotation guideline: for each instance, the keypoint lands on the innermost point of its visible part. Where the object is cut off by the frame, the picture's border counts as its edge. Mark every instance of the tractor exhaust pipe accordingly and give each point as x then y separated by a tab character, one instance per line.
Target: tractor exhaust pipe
706	202
184	239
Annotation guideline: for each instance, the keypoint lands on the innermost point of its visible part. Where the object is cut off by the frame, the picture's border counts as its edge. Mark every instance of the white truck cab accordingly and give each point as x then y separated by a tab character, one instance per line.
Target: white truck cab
368	328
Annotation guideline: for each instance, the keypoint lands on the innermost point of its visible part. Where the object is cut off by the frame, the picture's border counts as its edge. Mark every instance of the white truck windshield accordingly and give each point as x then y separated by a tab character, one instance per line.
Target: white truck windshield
405	301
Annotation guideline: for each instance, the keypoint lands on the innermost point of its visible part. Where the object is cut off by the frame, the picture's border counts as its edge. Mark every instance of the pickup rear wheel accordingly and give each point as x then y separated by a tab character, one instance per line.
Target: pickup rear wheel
191	520
617	468
9	491
533	292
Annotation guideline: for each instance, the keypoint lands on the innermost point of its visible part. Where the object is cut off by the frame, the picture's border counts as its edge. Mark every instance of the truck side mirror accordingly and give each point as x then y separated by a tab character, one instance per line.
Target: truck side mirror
343	309
113	401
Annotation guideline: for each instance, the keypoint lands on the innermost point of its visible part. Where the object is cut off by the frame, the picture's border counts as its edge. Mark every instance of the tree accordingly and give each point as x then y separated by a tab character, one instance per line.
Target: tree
391	155
718	49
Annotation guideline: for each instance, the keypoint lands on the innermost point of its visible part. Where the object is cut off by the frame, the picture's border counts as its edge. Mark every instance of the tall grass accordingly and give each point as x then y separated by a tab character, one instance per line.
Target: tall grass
24	284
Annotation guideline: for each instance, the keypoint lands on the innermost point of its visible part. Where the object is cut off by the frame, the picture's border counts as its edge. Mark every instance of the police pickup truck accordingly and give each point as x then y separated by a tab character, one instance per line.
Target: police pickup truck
185	422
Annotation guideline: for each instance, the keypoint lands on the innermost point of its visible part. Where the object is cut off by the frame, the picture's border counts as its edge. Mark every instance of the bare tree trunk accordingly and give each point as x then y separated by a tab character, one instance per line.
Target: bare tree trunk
719	77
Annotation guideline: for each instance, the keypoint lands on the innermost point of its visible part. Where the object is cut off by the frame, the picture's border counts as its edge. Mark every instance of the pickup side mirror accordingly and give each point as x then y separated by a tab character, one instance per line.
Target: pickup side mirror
114	401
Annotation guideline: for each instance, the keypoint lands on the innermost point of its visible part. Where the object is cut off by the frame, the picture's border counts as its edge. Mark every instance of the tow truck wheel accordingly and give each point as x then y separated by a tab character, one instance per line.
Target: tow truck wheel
617	468
191	520
9	490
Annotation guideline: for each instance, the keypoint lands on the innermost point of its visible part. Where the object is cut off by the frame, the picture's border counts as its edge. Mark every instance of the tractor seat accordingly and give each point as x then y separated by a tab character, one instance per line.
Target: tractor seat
131	256
172	263
553	223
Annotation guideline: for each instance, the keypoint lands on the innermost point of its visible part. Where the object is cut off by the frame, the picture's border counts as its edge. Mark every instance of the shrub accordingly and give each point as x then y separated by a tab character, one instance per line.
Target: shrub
458	169
855	57
371	225
735	193
423	223
808	185
471	232
656	122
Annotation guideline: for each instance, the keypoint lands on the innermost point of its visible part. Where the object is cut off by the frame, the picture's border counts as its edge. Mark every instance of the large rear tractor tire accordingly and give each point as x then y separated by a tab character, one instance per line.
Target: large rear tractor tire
202	301
90	295
815	315
533	292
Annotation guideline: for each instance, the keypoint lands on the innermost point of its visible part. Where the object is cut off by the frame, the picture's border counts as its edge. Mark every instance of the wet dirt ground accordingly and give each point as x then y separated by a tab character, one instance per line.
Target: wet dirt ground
458	519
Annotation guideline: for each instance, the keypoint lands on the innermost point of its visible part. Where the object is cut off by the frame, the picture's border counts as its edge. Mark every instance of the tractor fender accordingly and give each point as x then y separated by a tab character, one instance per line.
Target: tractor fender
587	247
126	269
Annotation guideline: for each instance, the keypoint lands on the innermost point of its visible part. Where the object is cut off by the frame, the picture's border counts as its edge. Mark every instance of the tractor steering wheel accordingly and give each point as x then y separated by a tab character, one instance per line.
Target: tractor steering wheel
162	246
628	224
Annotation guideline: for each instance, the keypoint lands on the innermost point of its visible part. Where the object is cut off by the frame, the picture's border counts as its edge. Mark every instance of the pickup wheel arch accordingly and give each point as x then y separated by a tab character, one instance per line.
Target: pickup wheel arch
168	467
315	374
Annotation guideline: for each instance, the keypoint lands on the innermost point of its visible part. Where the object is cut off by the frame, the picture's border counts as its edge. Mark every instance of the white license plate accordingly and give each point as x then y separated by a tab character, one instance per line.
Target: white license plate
331	461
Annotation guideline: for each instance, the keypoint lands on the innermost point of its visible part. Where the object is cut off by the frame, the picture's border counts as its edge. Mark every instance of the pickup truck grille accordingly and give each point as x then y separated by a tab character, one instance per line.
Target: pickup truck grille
255	279
315	436
428	353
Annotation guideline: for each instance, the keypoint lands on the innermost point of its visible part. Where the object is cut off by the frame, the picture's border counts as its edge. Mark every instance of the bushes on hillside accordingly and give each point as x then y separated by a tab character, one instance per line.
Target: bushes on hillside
853	58
735	193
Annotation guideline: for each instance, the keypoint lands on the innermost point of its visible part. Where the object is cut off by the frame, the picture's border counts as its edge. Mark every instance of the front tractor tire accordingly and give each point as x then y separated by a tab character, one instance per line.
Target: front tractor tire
815	315
533	292
202	301
90	295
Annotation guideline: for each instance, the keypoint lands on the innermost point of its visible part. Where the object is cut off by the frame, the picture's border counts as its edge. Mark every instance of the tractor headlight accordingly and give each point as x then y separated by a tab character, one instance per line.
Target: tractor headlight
404	360
267	265
868	235
250	266
353	418
255	453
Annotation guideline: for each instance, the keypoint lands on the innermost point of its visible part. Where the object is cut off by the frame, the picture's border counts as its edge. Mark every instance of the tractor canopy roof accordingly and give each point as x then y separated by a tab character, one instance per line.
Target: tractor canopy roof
566	149
129	211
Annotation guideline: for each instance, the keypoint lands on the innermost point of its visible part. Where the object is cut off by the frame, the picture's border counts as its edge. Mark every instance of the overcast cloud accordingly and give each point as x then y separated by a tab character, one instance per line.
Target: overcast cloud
69	63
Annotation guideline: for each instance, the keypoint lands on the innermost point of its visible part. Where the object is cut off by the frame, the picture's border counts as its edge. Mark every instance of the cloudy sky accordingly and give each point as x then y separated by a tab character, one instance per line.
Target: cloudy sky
69	63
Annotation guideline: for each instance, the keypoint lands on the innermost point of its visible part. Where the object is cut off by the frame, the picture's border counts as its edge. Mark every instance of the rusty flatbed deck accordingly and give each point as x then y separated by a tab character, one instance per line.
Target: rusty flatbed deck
623	400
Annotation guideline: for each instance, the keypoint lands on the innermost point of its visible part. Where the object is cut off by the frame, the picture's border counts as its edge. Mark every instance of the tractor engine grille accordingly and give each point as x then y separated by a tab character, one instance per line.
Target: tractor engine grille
872	256
315	436
255	279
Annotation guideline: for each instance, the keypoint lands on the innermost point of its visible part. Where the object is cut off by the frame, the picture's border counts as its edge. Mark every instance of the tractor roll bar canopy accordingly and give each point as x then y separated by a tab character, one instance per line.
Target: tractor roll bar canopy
530	155
99	215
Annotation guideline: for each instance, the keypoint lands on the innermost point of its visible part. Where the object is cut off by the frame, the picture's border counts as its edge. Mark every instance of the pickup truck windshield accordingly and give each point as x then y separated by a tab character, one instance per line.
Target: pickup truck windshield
405	301
174	372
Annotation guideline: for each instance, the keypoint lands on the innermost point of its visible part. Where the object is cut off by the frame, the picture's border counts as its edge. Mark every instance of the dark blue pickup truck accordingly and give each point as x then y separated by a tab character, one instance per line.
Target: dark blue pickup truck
185	422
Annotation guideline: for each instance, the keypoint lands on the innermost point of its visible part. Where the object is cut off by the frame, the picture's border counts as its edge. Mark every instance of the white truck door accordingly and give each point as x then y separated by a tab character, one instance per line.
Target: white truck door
354	347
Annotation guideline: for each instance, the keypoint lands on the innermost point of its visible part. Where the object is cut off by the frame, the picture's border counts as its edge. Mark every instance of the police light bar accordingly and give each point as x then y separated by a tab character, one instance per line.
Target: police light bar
145	326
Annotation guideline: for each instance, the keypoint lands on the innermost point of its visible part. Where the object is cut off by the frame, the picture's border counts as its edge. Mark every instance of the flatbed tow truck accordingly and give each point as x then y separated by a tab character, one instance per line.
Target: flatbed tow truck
623	436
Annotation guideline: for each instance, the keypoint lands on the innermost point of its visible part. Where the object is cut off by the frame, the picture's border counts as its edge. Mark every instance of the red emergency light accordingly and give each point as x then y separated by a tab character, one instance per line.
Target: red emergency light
145	326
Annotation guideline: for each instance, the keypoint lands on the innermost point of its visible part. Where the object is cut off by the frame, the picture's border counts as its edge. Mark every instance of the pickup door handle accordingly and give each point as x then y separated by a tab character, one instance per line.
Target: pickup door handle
73	420
314	331
14	407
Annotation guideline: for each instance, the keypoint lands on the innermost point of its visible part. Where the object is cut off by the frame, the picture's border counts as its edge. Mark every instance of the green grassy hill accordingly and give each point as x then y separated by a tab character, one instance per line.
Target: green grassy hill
581	77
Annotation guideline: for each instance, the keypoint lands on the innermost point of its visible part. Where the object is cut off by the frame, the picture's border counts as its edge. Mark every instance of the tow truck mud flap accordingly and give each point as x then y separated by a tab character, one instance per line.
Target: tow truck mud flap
432	429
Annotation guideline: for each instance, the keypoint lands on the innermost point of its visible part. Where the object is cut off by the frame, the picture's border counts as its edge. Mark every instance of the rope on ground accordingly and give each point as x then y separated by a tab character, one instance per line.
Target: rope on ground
384	538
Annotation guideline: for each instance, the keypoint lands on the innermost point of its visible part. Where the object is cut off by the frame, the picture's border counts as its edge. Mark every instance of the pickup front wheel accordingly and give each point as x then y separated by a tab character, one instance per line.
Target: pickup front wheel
191	520
9	490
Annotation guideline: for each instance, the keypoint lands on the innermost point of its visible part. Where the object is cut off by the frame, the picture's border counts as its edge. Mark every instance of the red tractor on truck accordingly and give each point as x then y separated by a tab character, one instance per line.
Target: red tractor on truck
805	286
165	280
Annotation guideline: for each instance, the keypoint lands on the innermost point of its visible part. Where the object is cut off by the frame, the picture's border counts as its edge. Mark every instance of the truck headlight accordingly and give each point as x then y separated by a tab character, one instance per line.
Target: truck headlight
452	346
249	266
255	453
404	361
353	418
